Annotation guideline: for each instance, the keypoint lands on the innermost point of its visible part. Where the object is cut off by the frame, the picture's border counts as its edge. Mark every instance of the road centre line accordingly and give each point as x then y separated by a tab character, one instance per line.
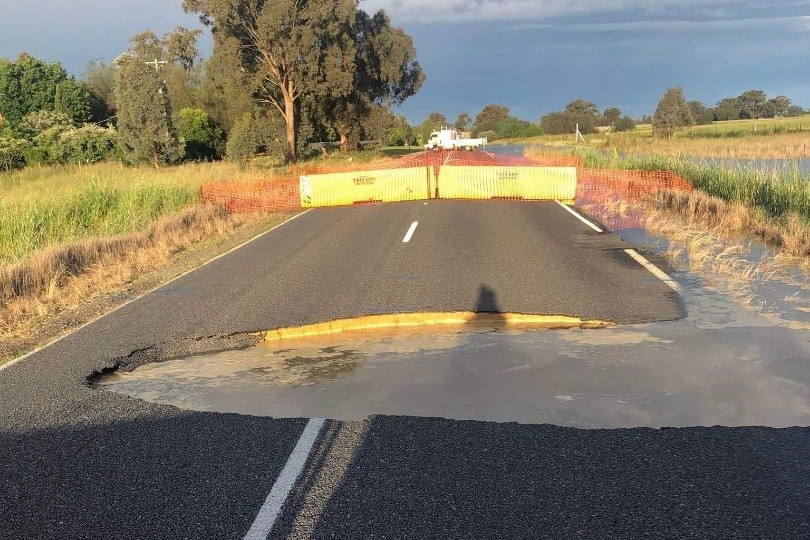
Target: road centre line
409	234
654	270
272	506
579	217
206	263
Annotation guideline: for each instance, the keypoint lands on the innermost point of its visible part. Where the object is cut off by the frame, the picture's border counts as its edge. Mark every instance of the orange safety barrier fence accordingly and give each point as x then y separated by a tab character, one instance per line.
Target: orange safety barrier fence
600	192
276	195
598	184
592	185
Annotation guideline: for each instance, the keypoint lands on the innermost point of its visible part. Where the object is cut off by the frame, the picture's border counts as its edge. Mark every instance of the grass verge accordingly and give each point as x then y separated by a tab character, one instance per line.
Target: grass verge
60	300
72	239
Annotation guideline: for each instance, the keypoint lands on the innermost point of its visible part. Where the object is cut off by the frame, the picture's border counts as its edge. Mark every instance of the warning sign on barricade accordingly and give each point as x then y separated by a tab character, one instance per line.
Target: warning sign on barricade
520	183
362	187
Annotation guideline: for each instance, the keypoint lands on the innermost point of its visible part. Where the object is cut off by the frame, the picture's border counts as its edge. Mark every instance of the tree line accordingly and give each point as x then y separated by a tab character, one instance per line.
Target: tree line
674	112
282	74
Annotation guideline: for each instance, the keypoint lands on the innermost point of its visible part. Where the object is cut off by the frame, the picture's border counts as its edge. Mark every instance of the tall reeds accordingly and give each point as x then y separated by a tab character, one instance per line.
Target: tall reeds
779	193
97	209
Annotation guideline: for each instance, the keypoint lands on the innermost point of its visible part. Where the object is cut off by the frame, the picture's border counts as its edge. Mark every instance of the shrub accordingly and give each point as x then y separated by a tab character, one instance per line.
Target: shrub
243	141
625	123
45	150
12	153
35	123
205	140
88	144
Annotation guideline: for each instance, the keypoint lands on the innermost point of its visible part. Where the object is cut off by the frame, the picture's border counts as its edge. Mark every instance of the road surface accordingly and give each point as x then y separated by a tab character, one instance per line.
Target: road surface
80	463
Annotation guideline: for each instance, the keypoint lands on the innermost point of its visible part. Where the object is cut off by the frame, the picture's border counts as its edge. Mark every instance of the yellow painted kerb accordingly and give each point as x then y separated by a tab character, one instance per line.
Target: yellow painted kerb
446	319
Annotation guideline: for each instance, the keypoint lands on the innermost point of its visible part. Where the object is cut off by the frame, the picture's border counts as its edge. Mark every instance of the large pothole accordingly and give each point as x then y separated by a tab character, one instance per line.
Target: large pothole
724	364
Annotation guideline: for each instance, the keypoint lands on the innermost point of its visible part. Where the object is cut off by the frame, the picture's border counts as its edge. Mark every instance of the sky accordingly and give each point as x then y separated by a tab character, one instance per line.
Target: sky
533	56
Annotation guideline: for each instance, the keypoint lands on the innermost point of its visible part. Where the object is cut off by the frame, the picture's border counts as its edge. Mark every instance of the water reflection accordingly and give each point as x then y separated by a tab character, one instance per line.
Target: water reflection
799	165
724	364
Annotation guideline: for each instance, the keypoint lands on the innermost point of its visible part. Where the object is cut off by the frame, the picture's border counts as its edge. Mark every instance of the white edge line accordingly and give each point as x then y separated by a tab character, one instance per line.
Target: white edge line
275	500
206	263
657	272
579	217
409	234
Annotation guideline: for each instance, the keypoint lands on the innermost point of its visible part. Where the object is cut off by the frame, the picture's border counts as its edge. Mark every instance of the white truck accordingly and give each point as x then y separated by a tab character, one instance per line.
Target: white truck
449	139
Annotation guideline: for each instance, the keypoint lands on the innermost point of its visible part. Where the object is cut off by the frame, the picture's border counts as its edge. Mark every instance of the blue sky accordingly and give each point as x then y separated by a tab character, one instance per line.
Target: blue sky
533	56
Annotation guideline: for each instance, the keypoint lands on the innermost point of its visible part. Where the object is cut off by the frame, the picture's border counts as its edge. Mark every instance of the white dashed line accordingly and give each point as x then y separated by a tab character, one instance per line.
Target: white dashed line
409	234
272	506
579	217
654	270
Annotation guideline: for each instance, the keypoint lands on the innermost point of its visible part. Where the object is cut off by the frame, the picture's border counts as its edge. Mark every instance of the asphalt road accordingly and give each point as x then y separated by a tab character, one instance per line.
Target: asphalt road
80	463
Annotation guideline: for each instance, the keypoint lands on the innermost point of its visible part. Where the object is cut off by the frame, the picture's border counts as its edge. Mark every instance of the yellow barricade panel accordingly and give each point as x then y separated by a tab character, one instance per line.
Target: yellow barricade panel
388	185
488	182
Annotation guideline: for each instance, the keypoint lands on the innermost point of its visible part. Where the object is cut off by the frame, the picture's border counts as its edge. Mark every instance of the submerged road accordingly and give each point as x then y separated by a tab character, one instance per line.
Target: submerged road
81	463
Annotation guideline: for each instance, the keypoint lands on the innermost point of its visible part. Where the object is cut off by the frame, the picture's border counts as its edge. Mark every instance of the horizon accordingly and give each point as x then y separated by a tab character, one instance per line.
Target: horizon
531	56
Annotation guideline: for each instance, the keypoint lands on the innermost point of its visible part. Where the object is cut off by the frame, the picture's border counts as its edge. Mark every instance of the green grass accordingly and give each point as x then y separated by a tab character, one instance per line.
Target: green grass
96	209
744	128
43	206
778	193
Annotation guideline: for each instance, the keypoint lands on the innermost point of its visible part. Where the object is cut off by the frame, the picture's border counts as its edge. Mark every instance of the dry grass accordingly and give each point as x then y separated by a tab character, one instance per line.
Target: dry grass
791	234
769	138
712	238
775	146
62	277
58	182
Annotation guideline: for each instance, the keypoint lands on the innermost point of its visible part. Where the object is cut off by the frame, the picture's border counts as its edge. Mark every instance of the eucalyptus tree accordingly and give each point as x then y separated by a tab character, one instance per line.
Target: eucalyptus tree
489	118
180	46
305	57
463	122
382	71
146	130
671	114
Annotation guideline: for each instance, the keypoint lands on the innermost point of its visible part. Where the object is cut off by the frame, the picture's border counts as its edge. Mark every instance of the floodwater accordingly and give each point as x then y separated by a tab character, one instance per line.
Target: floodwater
799	166
724	364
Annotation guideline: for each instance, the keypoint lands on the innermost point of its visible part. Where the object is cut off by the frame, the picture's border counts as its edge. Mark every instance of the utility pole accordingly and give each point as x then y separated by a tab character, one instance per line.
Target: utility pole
157	64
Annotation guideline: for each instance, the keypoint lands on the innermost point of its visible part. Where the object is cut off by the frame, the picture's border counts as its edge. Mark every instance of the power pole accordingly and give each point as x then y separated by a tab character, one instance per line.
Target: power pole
157	64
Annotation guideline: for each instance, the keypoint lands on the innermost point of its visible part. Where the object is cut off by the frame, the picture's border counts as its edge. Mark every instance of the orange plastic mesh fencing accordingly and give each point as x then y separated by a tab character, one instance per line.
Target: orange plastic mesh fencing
276	195
552	160
599	184
338	165
592	185
601	192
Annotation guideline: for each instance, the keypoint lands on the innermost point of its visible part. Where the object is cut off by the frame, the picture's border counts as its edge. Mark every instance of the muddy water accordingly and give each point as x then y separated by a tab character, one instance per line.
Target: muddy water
725	364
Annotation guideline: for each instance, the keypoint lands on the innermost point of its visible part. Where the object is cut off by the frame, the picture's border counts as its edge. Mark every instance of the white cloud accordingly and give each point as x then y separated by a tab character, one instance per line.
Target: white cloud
442	11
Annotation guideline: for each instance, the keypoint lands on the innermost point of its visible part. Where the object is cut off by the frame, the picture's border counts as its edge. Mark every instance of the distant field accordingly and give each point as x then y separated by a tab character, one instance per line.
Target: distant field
769	138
